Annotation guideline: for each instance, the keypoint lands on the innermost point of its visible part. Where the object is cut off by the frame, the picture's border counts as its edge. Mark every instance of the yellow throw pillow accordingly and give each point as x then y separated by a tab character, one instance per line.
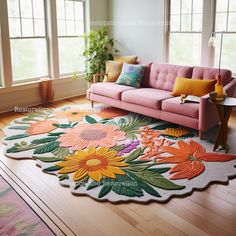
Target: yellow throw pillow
127	59
195	87
113	70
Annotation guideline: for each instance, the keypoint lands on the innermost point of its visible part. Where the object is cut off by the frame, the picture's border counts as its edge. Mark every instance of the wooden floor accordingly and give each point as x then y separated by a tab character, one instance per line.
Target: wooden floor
210	212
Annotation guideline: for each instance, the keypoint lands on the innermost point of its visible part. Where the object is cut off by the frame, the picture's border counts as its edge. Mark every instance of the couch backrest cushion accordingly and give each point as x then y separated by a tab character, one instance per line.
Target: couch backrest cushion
162	76
147	65
210	73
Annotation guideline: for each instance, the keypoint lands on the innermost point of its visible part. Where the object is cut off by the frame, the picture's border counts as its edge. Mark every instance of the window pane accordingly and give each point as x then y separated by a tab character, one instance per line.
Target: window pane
228	52
186	6
221	19
26	8
186	23
70	55
79	28
13	8
61	27
69	10
175	7
197	22
221	5
27	27
14	27
29	58
70	27
79	11
39	27
175	23
38	9
60	9
197	6
232	22
232	5
185	49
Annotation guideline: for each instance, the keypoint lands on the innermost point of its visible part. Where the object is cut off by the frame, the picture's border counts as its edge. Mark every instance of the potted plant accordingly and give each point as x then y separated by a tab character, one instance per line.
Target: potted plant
99	49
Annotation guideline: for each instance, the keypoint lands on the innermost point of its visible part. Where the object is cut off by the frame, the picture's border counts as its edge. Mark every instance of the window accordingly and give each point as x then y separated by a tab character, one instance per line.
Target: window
185	32
226	22
28	39
70	27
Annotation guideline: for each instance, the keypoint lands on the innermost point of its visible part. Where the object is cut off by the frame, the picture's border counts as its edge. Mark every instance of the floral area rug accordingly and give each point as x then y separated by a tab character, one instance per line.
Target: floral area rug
110	154
16	217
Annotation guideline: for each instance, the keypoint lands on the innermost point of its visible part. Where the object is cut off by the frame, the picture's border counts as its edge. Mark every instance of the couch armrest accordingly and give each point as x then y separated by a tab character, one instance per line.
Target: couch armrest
230	87
208	114
96	77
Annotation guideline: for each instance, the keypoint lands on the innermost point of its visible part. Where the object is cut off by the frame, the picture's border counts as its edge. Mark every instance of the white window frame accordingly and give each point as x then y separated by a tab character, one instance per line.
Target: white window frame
35	37
72	36
52	39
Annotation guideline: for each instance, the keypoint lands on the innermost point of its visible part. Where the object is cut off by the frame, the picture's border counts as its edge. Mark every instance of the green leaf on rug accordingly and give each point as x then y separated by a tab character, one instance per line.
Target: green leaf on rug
122	122
132	125
161	170
46	148
56	134
137	162
177	138
104	191
124	185
146	187
104	121
17	136
82	182
134	155
165	126
157	180
52	168
117	148
61	152
94	184
65	126
20	147
90	120
63	177
12	149
48	159
138	168
44	140
19	127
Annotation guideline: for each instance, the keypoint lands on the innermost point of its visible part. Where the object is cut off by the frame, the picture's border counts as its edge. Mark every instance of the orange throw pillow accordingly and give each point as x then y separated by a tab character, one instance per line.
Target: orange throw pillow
127	59
195	87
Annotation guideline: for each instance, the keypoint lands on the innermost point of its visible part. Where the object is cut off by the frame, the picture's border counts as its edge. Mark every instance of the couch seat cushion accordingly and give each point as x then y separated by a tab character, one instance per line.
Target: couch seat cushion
147	97
108	89
187	109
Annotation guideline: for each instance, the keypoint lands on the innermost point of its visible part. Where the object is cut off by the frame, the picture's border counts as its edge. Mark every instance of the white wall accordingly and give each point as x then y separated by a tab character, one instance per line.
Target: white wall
139	27
98	11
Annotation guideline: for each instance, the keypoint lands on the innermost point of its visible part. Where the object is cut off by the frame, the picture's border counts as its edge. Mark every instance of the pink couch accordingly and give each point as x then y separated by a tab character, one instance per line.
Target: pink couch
154	97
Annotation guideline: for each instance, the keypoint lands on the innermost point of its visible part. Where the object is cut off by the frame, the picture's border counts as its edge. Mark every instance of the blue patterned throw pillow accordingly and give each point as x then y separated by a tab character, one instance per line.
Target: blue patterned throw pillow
131	75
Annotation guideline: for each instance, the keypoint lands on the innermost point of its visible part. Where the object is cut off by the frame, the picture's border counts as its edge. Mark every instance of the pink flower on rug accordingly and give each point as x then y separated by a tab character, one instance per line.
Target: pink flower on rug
42	127
91	135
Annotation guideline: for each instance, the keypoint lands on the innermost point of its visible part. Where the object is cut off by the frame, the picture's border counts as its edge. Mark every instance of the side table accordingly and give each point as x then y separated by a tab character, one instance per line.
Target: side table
224	108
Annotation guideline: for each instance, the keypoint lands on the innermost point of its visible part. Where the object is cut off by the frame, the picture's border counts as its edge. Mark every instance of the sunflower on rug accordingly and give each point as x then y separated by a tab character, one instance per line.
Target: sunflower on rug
111	154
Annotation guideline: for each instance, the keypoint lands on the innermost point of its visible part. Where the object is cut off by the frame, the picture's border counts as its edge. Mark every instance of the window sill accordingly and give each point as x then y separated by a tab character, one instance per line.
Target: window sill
34	84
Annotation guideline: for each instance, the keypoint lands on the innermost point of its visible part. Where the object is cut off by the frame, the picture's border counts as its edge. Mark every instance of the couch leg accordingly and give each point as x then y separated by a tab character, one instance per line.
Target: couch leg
200	134
92	104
